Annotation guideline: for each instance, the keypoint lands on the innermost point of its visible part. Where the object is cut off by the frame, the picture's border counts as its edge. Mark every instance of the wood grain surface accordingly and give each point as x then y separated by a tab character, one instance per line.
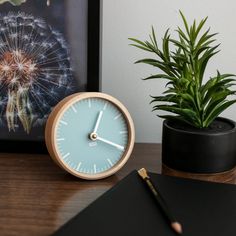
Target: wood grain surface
37	197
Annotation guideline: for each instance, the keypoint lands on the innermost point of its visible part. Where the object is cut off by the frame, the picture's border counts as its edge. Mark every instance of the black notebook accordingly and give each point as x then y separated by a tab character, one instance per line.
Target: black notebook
128	209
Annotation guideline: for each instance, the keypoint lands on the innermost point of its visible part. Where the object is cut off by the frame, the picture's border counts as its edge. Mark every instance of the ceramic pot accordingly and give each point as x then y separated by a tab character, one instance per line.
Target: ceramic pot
207	150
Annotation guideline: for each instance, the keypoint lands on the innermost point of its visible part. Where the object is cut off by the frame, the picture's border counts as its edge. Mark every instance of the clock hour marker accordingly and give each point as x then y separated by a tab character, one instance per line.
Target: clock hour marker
95	168
63	122
66	155
117	117
109	161
74	109
89	102
60	139
121	148
124	132
105	106
78	166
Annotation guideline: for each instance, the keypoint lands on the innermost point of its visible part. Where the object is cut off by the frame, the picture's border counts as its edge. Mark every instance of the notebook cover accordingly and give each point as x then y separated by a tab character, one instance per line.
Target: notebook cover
203	208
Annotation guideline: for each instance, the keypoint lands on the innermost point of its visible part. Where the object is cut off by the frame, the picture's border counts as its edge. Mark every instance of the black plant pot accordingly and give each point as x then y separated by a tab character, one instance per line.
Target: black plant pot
208	150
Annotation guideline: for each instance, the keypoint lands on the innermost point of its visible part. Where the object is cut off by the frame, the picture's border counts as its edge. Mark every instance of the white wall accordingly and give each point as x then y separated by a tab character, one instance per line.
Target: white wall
133	18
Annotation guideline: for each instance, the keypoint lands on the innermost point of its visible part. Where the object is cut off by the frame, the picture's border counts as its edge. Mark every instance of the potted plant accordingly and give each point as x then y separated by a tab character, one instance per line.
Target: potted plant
195	138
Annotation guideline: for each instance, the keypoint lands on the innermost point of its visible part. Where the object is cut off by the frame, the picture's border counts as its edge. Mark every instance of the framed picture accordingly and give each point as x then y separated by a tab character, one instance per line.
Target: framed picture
49	49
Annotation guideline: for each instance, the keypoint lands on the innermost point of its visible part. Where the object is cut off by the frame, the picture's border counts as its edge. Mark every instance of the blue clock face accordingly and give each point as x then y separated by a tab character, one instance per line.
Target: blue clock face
91	136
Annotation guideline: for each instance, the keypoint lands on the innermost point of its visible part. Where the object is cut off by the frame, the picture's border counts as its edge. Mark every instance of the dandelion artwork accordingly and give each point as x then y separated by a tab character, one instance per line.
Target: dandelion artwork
49	49
35	70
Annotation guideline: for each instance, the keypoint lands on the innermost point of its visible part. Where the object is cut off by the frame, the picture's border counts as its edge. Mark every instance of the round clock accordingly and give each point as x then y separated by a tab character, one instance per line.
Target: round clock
90	135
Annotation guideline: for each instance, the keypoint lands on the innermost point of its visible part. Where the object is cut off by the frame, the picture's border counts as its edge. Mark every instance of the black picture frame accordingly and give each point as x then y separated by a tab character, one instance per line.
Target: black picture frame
93	55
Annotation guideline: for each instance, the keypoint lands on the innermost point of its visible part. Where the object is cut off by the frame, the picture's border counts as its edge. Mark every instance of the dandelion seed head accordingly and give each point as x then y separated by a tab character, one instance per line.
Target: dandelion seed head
14	65
20	66
2	102
35	70
25	37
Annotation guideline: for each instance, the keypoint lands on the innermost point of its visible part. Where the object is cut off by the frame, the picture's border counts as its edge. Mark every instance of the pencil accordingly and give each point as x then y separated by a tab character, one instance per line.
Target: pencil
174	224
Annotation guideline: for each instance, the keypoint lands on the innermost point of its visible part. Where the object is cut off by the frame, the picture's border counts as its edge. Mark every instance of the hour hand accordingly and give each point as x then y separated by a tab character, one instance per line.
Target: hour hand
98	122
110	143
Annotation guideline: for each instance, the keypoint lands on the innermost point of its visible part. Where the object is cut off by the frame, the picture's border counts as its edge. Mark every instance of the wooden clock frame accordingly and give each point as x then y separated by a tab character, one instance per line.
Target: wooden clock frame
52	123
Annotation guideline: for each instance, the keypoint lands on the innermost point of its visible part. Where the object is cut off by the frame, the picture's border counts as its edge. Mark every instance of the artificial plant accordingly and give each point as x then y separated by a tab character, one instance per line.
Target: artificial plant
182	62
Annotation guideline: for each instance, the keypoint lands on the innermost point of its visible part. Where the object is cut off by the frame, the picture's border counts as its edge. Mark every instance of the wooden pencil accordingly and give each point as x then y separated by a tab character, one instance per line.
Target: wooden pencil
174	224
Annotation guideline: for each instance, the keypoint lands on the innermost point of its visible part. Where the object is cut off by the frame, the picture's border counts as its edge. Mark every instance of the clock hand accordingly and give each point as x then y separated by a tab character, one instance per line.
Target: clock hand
110	143
98	122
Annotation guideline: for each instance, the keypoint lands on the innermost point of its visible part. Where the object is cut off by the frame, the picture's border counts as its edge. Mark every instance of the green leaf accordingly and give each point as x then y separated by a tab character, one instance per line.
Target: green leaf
187	97
207	86
217	111
215	100
223	76
172	98
183	35
153	37
179	118
170	90
187	113
198	100
192	32
180	45
160	76
165	67
214	88
201	24
204	38
165	45
138	42
199	51
13	2
185	23
204	60
141	47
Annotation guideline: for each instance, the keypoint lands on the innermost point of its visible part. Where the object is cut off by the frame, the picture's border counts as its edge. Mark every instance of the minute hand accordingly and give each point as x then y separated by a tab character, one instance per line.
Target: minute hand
111	143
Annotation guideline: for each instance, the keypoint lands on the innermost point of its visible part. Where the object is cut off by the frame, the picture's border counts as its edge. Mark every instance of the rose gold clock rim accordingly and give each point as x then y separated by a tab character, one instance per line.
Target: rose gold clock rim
52	124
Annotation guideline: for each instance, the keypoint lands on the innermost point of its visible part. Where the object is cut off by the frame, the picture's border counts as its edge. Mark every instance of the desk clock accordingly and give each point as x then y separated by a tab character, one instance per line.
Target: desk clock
90	135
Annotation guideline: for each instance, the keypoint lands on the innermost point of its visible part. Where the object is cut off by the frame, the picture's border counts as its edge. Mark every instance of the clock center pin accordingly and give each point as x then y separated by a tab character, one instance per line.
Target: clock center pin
93	136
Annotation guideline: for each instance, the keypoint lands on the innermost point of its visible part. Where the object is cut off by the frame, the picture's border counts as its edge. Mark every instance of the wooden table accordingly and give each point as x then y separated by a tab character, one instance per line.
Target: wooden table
37	197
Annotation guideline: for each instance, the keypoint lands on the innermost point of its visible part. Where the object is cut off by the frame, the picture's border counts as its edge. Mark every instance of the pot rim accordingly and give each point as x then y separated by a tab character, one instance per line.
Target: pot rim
166	123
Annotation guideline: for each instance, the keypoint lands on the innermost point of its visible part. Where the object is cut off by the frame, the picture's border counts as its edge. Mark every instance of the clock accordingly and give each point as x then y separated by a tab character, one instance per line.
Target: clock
90	135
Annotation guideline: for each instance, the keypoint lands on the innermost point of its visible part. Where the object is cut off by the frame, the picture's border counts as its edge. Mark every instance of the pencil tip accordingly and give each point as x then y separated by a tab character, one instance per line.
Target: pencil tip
177	227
